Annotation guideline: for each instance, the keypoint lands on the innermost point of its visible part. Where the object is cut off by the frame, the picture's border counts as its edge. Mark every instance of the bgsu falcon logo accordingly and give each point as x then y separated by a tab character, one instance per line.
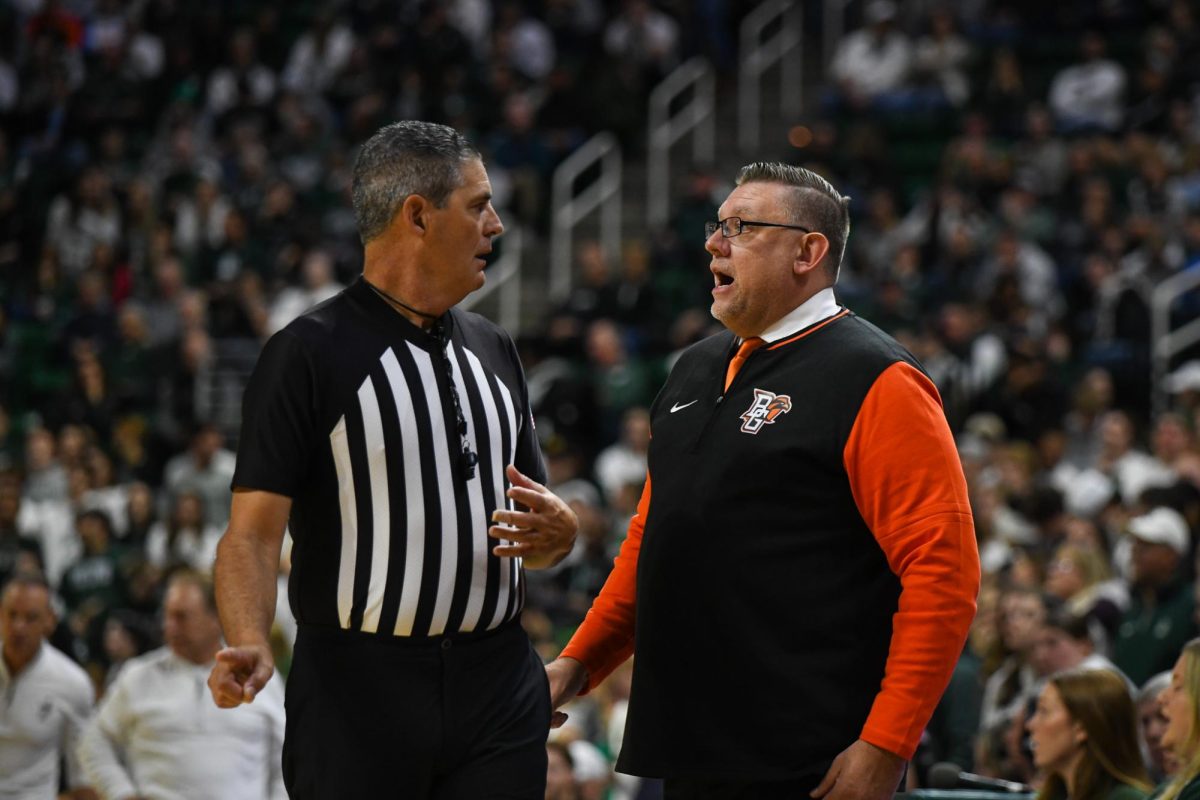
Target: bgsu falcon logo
763	411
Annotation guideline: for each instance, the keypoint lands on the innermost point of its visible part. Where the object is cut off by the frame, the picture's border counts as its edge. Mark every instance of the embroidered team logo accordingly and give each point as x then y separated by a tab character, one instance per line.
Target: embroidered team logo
764	410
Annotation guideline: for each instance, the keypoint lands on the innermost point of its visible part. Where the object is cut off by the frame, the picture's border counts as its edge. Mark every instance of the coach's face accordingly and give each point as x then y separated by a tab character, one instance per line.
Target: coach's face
462	232
761	274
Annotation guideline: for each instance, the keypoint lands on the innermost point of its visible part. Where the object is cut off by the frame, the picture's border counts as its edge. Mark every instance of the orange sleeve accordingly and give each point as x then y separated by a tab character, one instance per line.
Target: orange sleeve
605	639
909	487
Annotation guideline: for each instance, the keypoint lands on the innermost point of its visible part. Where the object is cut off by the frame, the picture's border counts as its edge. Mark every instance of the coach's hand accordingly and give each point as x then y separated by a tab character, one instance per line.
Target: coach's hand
861	772
543	534
240	674
567	678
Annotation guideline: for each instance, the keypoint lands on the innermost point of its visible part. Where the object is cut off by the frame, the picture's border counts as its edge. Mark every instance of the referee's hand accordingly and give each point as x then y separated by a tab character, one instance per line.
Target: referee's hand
542	534
240	674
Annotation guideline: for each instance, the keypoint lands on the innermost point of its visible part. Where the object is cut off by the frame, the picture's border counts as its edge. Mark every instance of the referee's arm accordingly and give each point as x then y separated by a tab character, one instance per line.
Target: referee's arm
245	578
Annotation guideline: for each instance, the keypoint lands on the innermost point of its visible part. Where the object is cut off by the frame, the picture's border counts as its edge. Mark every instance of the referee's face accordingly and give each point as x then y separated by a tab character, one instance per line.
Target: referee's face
463	233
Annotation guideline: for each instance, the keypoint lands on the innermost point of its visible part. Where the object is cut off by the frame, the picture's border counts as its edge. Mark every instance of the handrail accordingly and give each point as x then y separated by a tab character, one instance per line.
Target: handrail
665	129
759	55
834	25
1164	342
504	280
570	208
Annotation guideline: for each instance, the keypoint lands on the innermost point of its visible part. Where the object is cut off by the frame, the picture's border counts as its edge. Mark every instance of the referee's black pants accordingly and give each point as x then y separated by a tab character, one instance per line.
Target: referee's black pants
444	718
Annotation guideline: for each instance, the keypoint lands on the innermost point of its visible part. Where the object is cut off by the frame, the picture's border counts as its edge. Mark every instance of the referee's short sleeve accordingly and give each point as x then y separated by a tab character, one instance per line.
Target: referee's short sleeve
278	418
528	451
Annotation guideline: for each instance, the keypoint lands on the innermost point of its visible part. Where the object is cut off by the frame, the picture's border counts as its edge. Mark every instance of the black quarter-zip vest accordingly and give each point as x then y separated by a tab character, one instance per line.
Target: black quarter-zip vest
764	602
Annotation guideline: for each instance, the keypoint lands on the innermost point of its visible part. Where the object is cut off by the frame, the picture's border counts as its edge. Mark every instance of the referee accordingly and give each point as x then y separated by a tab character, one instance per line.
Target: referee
386	429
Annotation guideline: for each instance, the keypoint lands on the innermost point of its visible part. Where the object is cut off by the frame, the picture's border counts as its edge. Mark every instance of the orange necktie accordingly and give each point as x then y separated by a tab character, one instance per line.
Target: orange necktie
747	347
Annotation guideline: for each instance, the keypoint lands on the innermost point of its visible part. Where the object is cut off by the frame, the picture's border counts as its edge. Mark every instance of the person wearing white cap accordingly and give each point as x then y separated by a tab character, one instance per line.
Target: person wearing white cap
873	60
1160	617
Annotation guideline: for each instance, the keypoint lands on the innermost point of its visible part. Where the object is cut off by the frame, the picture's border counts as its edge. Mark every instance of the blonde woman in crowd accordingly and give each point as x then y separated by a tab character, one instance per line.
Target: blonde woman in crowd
1181	706
1084	736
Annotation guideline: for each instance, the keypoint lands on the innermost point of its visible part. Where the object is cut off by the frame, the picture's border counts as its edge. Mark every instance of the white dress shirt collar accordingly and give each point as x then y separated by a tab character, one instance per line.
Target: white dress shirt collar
820	306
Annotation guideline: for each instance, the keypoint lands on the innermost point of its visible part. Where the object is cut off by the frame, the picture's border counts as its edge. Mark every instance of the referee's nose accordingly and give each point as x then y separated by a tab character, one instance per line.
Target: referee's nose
492	226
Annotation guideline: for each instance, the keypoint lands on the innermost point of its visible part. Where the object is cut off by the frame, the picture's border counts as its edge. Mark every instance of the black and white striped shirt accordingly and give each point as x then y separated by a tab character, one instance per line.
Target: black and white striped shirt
349	412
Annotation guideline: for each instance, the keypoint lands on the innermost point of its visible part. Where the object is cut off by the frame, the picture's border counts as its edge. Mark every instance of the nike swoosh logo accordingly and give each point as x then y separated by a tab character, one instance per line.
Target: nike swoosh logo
678	407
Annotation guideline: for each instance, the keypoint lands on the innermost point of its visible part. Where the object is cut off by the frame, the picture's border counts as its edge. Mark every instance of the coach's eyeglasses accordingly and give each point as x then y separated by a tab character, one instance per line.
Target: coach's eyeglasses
732	226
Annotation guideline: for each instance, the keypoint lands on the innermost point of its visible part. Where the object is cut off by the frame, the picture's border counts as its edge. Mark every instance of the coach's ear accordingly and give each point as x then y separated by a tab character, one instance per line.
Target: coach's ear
810	253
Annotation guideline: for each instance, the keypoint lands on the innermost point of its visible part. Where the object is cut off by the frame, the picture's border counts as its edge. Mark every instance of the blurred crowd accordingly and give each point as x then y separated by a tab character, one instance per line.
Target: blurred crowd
174	188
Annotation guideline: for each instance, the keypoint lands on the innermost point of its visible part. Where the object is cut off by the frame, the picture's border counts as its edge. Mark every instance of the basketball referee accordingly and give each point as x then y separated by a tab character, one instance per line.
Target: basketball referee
387	430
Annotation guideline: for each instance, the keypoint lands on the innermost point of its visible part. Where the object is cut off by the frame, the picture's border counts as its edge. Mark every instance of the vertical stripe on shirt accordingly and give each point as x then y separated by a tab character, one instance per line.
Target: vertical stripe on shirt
491	476
345	476
477	528
413	496
508	566
448	532
355	439
381	519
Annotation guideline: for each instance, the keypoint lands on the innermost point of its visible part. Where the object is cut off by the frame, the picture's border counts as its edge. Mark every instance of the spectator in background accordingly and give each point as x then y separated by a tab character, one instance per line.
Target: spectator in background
19	551
874	61
1180	703
95	583
1151	723
318	285
243	81
319	55
157	732
47	699
1089	96
185	538
1065	642
644	36
206	469
45	476
1080	577
1007	690
1160	616
941	58
1085	738
624	461
560	773
76	223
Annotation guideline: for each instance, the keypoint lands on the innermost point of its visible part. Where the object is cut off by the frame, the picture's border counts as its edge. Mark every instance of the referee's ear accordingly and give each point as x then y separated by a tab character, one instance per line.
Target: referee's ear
414	215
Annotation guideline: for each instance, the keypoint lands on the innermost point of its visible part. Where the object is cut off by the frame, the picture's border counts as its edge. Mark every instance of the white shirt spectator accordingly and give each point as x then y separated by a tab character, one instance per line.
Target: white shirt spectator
870	67
146	55
313	64
42	712
158	734
196	548
210	481
76	229
1089	95
945	60
533	50
223	87
473	19
52	524
643	34
319	285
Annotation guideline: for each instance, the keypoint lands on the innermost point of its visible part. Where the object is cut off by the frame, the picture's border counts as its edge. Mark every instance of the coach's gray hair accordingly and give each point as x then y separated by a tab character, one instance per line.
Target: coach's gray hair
402	159
815	204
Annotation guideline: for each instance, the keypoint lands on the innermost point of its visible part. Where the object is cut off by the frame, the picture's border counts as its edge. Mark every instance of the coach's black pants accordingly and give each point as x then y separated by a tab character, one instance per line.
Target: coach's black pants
445	718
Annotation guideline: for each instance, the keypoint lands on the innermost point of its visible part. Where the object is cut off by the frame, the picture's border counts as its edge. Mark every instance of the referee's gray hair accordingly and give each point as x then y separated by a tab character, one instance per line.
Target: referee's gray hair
402	159
815	204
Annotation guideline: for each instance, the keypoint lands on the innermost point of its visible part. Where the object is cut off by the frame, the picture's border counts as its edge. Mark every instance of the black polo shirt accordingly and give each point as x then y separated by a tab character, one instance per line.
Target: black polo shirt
350	413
